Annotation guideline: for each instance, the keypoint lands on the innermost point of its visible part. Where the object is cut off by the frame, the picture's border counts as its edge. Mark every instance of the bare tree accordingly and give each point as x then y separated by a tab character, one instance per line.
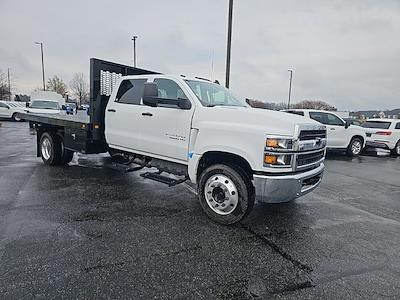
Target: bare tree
5	88
80	88
57	85
266	105
314	104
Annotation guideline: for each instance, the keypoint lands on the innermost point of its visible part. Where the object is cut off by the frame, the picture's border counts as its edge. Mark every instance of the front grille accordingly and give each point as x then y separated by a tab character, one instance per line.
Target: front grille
306	135
309	158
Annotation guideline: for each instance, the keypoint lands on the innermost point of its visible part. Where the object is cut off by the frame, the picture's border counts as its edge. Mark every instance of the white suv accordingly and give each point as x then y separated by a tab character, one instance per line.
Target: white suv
340	134
383	133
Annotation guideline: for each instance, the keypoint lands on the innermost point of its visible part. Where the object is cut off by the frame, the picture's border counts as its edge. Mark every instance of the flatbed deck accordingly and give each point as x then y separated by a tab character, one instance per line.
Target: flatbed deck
61	119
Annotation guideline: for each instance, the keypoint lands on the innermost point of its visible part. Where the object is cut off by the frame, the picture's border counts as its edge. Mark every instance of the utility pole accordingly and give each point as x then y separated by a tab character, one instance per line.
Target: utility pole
9	84
290	87
41	50
228	46
134	50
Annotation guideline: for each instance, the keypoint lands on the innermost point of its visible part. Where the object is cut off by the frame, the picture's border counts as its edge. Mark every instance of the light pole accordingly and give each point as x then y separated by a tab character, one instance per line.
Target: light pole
228	46
134	50
41	49
290	87
9	84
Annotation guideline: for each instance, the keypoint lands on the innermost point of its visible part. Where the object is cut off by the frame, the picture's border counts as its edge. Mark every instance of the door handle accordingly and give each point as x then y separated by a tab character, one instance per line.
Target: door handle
111	110
147	114
332	128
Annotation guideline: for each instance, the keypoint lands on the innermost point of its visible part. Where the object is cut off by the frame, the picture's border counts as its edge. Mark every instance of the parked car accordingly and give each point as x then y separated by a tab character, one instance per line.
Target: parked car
383	133
70	108
44	107
341	135
196	130
9	109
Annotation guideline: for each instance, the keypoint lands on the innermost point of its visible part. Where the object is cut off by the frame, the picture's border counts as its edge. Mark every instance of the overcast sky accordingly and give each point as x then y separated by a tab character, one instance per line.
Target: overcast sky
344	52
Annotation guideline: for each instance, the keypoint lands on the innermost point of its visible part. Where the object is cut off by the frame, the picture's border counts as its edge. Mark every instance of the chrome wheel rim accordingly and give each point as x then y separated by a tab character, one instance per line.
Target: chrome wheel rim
356	147
398	148
46	148
221	194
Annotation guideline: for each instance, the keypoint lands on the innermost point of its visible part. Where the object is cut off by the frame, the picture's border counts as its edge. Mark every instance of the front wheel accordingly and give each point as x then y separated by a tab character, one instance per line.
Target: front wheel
226	193
355	147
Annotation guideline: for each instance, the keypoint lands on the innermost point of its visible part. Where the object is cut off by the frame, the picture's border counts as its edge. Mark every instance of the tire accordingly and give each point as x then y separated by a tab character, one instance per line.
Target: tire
355	147
15	118
396	150
226	193
66	156
50	149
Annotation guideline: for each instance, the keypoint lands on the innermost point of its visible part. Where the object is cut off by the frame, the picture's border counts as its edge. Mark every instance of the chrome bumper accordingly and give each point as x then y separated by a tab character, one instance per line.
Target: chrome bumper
284	188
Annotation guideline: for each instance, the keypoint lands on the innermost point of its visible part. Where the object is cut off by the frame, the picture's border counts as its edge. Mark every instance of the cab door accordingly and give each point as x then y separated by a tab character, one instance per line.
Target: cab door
166	128
123	115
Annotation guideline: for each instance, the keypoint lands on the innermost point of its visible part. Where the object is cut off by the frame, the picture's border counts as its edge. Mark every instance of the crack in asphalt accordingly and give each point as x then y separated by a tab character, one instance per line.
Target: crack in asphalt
279	250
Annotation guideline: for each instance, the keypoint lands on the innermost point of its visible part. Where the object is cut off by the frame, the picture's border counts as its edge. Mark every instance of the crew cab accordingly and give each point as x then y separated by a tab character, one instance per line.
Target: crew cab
190	129
383	133
10	109
341	135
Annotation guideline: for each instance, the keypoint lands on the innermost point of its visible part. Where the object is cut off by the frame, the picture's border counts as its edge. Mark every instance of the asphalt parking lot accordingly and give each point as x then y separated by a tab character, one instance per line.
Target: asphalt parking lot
89	231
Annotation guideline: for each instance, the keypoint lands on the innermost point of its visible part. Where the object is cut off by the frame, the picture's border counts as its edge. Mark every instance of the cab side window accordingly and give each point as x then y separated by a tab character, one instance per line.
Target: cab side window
2	105
130	91
397	126
169	90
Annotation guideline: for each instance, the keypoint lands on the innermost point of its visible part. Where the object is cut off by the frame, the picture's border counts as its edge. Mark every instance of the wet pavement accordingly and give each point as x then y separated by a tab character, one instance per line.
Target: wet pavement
89	231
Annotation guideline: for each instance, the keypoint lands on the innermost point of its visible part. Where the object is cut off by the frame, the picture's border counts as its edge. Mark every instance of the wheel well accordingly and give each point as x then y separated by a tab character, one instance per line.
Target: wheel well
217	157
358	136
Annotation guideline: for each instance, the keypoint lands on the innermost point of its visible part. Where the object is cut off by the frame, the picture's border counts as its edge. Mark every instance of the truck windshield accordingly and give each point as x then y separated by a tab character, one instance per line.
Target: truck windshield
43	104
211	94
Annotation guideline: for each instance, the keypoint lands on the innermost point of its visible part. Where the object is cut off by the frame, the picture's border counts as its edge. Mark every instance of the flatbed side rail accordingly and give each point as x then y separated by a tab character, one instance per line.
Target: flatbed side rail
103	78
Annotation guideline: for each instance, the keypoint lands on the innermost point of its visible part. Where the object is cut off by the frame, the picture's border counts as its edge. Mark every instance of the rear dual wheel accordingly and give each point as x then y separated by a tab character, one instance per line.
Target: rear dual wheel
52	150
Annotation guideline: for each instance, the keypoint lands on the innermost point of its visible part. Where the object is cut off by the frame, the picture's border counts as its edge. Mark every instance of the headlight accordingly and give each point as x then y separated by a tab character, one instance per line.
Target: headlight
277	152
273	143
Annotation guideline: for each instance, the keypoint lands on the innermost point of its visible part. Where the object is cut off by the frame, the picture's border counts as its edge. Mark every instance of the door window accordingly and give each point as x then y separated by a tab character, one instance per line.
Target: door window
397	126
2	105
130	91
334	120
170	91
317	116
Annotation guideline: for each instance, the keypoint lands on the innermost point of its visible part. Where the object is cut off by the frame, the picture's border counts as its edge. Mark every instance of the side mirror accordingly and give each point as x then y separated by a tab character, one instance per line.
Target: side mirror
27	104
184	103
63	107
150	94
150	101
347	124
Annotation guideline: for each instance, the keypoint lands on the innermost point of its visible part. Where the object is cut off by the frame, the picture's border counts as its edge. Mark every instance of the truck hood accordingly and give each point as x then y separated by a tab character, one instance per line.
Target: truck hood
252	119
